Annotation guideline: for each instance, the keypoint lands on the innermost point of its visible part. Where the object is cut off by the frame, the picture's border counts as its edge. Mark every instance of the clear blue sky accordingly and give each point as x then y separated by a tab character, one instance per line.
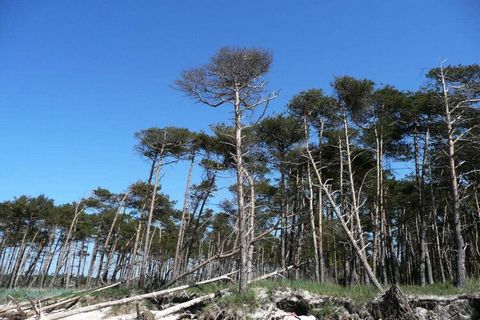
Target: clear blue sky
78	78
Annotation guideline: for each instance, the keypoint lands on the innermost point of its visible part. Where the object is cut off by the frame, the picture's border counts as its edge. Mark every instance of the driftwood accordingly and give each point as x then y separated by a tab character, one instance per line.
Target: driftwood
267	314
36	310
20	311
187	304
173	309
57	299
103	305
176	308
76	298
274	273
27	309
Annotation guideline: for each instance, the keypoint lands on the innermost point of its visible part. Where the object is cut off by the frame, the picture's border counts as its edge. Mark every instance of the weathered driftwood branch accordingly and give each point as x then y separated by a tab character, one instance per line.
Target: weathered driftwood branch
15	306
75	298
158	314
187	304
174	309
267	314
50	303
274	273
36	310
103	305
19	308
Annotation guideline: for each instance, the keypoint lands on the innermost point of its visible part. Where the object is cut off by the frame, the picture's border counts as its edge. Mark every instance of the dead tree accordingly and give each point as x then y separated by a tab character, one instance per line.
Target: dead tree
359	250
233	76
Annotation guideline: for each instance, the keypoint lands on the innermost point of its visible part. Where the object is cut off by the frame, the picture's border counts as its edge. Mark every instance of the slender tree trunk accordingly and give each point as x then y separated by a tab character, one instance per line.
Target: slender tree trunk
243	241
81	263
19	259
70	262
312	224
251	227
421	212
460	275
63	254
183	223
143	264
360	251
93	257
320	236
3	251
353	193
320	207
283	219
33	264
106	244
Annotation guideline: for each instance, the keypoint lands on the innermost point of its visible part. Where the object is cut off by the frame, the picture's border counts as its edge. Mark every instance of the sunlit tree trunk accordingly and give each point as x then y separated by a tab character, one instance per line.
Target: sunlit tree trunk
143	264
178	259
460	275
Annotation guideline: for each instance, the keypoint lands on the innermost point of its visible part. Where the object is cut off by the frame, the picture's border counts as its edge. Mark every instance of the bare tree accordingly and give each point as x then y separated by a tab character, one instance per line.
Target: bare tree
233	76
458	97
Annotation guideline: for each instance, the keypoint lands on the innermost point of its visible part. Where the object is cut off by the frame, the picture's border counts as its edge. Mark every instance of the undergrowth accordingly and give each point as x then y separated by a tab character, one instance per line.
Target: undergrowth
232	306
359	293
114	293
22	294
443	289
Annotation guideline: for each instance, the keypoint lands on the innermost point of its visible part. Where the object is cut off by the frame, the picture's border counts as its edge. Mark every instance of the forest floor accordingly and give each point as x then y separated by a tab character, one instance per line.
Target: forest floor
273	299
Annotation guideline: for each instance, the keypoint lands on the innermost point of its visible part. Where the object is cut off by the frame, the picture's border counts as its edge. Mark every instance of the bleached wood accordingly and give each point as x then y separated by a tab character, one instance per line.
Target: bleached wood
131	299
185	305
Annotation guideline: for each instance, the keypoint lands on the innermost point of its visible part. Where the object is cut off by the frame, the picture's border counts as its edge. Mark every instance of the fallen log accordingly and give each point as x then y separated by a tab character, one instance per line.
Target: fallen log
76	298
267	314
274	273
19	308
176	308
102	305
59	298
188	304
172	309
51	303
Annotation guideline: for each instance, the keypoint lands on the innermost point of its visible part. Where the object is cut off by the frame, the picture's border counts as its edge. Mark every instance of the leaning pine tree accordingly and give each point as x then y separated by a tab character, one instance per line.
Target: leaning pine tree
234	76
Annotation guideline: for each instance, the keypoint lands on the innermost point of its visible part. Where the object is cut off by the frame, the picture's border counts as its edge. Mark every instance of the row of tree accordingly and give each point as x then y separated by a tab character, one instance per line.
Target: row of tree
317	187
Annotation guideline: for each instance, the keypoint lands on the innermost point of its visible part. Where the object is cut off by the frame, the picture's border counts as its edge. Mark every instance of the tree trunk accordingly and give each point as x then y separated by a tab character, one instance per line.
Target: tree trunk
183	222
460	276
18	260
63	254
251	227
360	251
243	269
143	263
312	224
320	236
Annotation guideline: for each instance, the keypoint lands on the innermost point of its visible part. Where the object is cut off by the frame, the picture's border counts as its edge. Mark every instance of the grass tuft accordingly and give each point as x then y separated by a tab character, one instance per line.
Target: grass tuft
245	300
22	294
443	289
358	293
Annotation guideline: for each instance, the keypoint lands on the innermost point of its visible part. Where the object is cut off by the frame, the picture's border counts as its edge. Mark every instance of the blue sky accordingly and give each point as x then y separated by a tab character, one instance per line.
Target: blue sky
78	78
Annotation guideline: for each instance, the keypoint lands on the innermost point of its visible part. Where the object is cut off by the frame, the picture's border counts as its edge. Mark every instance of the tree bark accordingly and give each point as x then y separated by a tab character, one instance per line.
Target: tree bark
146	245
183	222
243	242
460	276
